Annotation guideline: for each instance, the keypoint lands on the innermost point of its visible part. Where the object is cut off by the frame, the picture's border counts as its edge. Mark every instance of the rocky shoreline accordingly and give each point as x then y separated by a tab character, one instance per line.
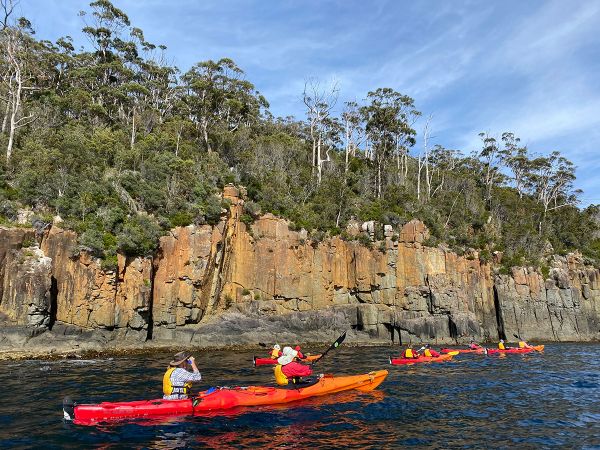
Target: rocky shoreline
235	285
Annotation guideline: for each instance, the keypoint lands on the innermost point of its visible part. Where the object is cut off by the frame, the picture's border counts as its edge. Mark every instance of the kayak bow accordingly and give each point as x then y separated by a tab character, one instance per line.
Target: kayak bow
219	399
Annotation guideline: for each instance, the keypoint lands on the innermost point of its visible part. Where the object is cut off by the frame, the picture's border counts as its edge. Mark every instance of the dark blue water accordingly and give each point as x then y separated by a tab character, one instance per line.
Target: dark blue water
518	401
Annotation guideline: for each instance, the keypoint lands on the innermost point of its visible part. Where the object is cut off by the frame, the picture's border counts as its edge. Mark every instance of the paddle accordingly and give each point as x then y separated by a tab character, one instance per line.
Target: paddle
336	344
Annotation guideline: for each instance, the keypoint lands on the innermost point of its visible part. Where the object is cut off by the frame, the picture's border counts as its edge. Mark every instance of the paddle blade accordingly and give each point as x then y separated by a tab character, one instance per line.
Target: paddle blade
262	344
453	353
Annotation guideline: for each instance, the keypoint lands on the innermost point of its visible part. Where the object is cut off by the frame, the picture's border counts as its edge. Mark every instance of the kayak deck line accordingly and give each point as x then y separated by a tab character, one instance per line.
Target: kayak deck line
216	399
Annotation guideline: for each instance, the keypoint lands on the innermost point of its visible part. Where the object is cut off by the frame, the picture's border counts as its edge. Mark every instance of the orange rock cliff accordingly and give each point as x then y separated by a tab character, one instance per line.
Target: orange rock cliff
227	284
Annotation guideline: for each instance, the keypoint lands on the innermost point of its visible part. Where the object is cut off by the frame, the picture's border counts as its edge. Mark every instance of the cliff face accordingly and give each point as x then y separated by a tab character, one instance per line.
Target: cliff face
228	284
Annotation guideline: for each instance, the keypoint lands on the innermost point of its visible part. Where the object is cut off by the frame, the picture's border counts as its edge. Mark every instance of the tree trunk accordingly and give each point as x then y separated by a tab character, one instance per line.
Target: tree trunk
132	143
16	101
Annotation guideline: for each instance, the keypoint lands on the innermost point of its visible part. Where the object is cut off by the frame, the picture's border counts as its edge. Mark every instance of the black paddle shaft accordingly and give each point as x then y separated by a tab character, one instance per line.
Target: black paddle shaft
336	344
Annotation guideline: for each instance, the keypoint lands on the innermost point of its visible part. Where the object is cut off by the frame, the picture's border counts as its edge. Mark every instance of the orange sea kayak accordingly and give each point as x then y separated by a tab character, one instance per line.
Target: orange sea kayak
222	398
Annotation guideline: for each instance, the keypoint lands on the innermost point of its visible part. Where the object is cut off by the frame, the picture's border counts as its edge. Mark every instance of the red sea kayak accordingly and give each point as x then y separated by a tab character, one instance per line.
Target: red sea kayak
271	361
538	348
420	359
216	399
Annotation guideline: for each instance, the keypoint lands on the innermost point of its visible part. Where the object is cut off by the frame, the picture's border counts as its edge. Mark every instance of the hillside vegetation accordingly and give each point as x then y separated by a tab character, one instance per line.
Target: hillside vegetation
123	146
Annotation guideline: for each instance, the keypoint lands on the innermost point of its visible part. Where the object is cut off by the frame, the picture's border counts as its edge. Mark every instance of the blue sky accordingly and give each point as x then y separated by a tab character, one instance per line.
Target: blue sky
530	67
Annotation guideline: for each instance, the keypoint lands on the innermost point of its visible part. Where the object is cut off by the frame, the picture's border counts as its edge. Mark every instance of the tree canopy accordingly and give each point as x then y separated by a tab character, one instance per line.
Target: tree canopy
124	146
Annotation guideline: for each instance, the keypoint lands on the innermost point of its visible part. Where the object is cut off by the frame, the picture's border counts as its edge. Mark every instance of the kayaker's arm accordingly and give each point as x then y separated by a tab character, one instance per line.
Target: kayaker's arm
193	364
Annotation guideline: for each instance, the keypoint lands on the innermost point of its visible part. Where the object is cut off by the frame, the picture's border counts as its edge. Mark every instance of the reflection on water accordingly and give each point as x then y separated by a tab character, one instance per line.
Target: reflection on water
522	401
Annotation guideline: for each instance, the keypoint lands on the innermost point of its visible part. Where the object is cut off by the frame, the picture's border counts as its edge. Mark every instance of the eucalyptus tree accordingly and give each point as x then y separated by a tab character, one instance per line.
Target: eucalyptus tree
516	159
552	179
388	119
353	131
23	73
319	102
218	97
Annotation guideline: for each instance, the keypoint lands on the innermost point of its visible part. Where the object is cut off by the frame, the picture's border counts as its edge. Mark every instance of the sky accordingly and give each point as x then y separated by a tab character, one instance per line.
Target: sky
529	67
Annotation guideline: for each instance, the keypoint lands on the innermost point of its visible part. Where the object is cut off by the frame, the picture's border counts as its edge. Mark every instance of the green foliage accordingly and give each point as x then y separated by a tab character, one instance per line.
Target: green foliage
139	236
28	242
123	148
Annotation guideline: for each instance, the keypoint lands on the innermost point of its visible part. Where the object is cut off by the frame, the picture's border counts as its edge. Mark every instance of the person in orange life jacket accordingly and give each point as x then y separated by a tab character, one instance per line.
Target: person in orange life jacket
291	368
276	352
177	380
409	353
430	352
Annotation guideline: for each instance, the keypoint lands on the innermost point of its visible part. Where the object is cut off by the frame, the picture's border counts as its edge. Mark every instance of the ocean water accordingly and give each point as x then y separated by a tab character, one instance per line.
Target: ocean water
516	401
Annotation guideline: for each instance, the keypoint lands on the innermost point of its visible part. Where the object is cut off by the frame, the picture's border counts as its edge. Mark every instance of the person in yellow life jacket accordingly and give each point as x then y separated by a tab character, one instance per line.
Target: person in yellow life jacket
177	380
430	352
276	352
523	344
409	353
288	369
502	346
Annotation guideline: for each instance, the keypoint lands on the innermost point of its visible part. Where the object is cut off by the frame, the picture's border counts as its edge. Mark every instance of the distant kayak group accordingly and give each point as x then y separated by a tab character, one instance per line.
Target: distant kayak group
411	356
293	372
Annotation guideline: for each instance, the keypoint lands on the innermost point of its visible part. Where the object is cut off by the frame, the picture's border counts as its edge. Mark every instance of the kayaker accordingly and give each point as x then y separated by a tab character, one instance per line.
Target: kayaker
177	380
409	353
430	352
288	369
523	344
502	346
474	346
300	354
276	352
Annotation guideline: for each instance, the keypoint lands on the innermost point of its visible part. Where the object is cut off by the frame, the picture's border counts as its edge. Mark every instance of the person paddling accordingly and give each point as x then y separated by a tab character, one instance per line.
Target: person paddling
474	346
409	353
287	369
177	380
429	352
276	352
300	354
502	346
523	344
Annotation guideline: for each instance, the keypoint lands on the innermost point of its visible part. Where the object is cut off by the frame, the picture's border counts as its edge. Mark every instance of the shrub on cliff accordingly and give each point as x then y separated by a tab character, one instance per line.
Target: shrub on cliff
139	236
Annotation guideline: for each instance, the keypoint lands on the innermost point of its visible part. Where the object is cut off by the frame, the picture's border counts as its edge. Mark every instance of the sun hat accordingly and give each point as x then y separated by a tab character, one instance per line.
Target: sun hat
276	347
179	358
288	356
